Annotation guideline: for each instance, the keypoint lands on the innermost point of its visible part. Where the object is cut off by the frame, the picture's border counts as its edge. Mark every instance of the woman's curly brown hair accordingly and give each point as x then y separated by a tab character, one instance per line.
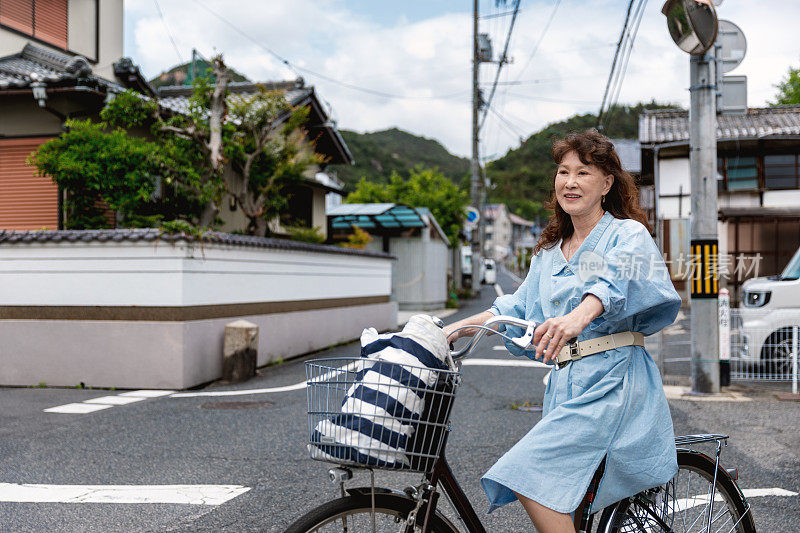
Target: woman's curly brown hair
622	199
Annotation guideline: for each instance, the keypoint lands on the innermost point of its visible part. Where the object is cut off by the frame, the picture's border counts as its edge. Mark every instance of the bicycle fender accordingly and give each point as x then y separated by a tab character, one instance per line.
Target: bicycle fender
721	472
366	491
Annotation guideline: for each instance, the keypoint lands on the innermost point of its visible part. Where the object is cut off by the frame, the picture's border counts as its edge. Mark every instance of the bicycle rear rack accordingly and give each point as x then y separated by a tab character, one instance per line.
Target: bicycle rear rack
685	440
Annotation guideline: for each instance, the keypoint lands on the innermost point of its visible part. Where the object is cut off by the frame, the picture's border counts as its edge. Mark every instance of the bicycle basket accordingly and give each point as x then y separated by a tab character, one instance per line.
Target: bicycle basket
374	413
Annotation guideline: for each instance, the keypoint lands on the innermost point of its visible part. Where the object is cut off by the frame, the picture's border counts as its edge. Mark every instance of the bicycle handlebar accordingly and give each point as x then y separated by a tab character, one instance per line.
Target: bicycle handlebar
523	342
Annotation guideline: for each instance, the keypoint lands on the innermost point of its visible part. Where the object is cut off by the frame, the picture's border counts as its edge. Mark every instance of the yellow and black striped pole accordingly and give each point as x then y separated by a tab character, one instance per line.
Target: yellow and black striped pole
705	268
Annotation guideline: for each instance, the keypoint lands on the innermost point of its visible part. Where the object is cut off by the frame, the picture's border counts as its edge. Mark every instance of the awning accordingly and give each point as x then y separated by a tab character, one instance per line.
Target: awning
375	216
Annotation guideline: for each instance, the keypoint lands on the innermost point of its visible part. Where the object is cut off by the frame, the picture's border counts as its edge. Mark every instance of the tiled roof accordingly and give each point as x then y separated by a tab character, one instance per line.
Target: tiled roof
670	126
176	97
519	221
38	64
154	234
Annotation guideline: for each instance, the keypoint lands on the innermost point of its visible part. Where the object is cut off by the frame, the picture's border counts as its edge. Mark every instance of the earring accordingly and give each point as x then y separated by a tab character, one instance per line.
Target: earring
602	199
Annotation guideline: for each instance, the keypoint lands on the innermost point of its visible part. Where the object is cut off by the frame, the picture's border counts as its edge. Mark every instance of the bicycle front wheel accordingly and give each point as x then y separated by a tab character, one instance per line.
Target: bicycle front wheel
353	514
685	504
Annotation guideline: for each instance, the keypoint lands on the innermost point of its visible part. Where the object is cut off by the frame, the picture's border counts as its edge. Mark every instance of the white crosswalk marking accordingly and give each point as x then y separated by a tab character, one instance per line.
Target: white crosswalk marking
76	408
177	494
114	400
104	402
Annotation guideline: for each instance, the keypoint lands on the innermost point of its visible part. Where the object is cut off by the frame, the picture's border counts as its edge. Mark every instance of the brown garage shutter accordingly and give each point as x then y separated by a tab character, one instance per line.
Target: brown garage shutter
17	14
50	21
27	201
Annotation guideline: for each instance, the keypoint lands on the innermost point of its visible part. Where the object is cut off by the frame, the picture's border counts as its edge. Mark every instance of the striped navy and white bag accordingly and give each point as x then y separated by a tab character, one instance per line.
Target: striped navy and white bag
380	410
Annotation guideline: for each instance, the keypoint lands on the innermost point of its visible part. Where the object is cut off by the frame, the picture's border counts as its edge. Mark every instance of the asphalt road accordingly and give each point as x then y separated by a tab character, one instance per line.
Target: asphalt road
257	441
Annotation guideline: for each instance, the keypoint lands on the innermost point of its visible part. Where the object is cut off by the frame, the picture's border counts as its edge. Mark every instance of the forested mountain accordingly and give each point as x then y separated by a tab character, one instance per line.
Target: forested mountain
380	153
182	74
522	179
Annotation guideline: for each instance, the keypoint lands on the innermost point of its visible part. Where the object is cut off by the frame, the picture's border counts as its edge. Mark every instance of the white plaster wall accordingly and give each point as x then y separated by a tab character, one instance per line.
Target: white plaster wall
672	174
81	34
111	12
789	198
319	216
163	274
171	355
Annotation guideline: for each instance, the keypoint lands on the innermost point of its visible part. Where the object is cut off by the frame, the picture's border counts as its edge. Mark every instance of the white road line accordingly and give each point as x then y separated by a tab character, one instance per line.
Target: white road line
513	276
104	402
77	408
147	393
296	386
302	384
115	400
498	290
683	504
754	493
180	494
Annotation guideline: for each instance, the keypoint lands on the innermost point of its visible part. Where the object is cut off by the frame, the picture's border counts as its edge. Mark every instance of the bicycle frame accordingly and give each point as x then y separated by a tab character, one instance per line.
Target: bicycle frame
443	474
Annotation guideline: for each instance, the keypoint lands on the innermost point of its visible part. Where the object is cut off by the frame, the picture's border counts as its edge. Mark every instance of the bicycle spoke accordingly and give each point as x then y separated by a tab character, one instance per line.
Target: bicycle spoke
682	506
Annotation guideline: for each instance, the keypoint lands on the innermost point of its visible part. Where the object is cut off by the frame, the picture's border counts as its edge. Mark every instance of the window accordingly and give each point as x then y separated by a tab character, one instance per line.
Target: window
17	14
742	173
45	20
780	171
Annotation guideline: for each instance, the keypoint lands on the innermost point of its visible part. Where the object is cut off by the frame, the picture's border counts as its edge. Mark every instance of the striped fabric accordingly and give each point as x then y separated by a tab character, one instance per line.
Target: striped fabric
381	409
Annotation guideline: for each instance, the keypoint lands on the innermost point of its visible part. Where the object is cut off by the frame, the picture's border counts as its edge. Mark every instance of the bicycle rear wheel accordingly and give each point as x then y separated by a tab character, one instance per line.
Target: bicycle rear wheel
353	514
684	505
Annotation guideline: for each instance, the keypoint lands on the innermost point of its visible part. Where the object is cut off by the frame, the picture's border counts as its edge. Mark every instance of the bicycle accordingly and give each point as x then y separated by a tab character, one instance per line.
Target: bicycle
703	495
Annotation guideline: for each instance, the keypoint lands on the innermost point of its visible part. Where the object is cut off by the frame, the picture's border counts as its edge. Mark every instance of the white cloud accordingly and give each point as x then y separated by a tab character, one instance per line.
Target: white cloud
430	58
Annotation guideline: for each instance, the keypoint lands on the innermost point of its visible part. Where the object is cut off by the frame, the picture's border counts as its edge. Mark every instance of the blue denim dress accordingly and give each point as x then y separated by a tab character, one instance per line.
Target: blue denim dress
610	404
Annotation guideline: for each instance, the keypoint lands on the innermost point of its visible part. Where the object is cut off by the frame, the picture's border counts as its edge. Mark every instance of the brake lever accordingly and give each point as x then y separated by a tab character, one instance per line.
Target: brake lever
526	341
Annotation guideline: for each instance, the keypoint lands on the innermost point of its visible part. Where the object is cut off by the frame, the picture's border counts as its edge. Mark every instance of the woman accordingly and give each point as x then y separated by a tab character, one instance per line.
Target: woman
595	271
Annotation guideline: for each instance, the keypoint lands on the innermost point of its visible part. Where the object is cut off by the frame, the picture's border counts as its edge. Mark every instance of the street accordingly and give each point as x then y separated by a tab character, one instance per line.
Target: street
249	449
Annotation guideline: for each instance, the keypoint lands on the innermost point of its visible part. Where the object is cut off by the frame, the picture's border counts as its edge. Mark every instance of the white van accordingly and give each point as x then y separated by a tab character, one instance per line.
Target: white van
489	271
769	310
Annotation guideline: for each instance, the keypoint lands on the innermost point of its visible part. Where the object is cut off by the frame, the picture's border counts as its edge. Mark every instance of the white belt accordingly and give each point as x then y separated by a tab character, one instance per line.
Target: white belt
577	350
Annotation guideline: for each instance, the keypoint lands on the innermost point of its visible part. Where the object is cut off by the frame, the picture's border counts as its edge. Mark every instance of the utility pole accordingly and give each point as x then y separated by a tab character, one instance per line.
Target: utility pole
693	26
703	224
475	168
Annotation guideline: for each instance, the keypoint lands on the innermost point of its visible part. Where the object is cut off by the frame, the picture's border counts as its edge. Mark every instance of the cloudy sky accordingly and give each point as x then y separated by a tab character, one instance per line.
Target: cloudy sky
381	64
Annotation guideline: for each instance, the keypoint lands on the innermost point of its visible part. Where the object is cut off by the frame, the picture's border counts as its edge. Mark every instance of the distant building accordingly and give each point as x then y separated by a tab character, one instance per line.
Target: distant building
63	59
56	61
413	236
506	232
758	179
497	244
630	155
524	233
319	188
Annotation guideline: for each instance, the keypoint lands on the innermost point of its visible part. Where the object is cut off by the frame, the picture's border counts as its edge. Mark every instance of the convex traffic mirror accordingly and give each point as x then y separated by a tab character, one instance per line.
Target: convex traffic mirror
692	24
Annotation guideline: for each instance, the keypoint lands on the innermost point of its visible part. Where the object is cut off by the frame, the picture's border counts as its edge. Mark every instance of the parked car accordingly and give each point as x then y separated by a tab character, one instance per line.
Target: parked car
762	334
489	271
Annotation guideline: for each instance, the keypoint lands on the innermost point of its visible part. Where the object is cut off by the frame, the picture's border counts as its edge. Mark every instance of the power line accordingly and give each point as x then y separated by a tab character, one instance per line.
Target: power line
295	68
508	124
614	62
554	100
631	40
169	33
541	38
503	61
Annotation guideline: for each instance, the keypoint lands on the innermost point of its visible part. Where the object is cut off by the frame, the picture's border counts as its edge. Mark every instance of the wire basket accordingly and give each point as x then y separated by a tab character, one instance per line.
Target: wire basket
376	413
